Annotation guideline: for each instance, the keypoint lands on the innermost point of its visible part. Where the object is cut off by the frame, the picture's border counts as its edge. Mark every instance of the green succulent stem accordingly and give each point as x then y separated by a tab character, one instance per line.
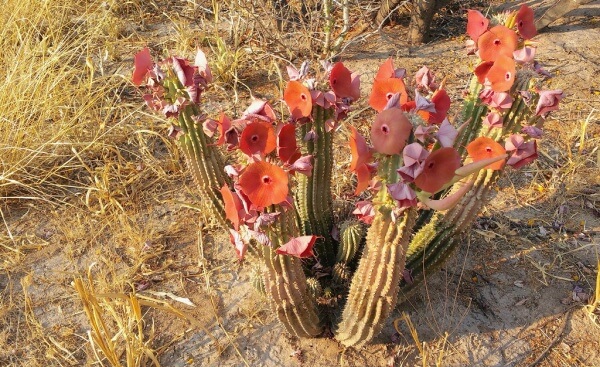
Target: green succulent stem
437	234
285	282
204	160
314	201
374	288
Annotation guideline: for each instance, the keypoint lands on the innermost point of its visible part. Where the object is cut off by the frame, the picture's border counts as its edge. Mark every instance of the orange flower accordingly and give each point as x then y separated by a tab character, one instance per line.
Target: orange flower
442	105
298	99
233	205
264	184
438	169
502	74
386	70
477	24
525	22
363	178
343	83
258	138
499	40
361	153
384	89
390	131
484	148
224	125
287	149
301	247
142	64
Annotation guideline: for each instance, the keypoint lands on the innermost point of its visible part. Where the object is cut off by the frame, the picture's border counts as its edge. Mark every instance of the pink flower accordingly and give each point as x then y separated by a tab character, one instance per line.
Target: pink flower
142	64
403	194
525	22
438	169
365	211
524	55
548	101
446	134
344	83
390	131
477	24
526	154
425	79
301	247
493	120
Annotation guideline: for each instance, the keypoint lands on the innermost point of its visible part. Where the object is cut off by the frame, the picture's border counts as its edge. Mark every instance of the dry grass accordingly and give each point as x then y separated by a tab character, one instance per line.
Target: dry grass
87	176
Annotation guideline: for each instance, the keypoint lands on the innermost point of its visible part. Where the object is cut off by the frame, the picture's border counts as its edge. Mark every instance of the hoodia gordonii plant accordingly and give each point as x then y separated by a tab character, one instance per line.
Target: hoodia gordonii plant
420	181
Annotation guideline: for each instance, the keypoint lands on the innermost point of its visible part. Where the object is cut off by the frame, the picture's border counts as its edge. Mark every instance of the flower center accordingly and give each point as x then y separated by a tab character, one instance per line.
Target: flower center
267	180
497	42
385	129
430	165
303	97
488	149
254	138
389	96
507	76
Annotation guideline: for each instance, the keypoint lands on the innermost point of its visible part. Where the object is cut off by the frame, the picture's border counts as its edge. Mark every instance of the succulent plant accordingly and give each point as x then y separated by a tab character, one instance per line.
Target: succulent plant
420	182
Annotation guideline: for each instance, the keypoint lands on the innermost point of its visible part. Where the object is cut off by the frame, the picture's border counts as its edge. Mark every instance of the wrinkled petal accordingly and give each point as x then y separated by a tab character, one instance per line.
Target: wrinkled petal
532	131
422	132
202	65
493	120
422	103
414	153
403	194
501	100
365	211
548	101
301	247
523	156
514	142
446	134
424	78
239	245
302	165
524	55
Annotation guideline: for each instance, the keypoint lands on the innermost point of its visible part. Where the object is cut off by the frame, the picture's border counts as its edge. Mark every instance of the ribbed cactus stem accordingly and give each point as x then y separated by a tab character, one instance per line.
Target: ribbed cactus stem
374	287
314	199
351	234
285	282
434	242
205	161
